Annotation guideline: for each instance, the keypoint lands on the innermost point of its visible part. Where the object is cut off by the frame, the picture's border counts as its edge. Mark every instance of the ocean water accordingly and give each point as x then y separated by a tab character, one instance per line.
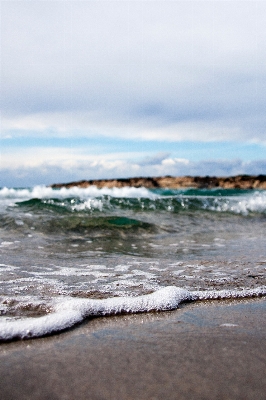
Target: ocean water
69	254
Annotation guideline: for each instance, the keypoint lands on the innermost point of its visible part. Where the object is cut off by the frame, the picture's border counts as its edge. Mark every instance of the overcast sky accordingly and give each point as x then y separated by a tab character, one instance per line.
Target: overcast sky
107	89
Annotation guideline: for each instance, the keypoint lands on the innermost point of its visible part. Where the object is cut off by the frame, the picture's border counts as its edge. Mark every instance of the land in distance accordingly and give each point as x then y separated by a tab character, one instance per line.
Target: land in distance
172	182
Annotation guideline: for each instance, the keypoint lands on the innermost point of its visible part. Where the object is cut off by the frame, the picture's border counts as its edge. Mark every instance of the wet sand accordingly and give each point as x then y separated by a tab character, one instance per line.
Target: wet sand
214	350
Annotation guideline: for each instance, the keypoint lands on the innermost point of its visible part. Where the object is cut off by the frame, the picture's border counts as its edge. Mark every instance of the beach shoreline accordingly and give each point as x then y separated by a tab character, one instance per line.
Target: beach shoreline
171	182
203	350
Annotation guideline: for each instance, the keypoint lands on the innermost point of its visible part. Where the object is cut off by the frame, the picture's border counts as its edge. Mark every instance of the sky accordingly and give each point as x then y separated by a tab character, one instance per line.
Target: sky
94	89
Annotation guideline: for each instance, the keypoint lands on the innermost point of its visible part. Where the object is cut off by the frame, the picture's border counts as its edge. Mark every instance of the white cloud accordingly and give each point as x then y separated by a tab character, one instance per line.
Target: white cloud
88	124
175	161
142	69
132	70
61	169
65	158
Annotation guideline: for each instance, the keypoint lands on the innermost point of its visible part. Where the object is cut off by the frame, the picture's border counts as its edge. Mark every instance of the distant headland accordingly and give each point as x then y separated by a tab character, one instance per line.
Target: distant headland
171	182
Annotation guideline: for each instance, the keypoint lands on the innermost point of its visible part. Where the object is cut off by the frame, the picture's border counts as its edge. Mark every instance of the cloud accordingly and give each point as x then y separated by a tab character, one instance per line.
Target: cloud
98	89
91	125
112	166
154	160
148	70
66	158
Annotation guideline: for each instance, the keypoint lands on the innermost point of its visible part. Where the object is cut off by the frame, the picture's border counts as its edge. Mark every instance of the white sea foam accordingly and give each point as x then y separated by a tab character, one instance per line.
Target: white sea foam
89	204
43	192
70	311
6	268
255	202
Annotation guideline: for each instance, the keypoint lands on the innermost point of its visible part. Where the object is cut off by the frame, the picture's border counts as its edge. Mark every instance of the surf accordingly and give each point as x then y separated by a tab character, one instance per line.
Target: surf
68	312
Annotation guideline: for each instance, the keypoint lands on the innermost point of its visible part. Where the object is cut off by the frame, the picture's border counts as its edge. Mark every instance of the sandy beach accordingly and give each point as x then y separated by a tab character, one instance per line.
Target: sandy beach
214	350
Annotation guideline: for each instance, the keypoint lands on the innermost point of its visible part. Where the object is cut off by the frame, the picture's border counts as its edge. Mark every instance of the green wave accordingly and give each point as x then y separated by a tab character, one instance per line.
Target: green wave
214	200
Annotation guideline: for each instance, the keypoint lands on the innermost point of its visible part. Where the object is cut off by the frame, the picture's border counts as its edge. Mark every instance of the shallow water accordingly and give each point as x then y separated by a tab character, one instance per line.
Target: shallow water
57	245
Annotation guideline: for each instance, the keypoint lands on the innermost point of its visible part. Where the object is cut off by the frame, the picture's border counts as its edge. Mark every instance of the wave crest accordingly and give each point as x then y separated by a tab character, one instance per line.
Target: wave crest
92	199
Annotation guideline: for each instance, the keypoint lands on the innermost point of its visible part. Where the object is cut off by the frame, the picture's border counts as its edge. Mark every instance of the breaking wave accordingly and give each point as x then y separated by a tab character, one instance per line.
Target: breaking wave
92	199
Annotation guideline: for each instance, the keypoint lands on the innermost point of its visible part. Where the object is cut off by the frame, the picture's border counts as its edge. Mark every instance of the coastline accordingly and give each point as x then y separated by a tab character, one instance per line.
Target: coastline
210	350
171	182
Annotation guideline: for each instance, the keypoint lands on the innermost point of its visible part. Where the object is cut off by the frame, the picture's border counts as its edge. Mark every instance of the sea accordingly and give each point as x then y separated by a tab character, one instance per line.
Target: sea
72	254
